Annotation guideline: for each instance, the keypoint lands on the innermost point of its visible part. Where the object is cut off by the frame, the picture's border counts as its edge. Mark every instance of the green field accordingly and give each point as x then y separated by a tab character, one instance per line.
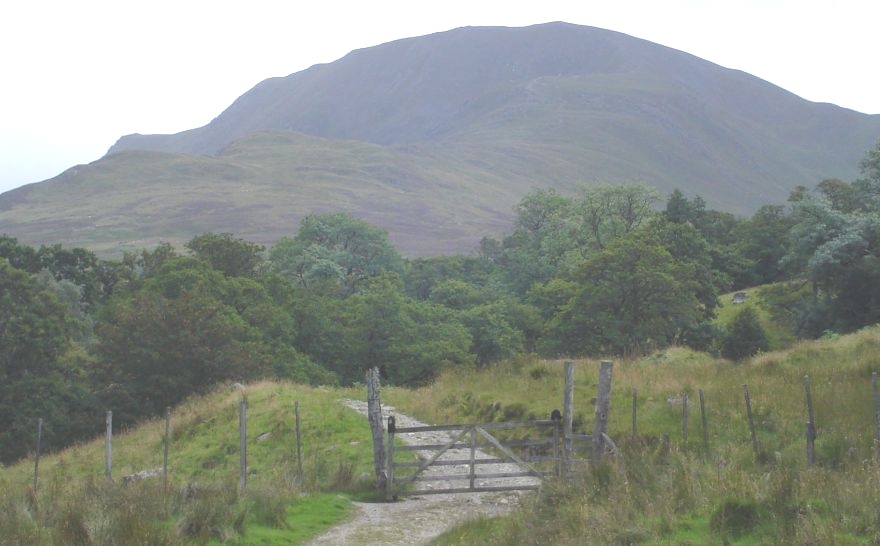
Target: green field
654	493
202	503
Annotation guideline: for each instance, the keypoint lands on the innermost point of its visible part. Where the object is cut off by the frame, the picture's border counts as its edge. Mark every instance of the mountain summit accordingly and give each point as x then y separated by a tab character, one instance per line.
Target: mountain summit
435	138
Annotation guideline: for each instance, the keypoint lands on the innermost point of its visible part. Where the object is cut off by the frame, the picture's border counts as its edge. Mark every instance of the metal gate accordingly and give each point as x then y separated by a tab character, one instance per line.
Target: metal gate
547	454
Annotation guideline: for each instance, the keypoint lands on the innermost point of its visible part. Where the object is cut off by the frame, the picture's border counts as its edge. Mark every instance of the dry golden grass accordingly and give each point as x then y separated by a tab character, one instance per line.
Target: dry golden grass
654	495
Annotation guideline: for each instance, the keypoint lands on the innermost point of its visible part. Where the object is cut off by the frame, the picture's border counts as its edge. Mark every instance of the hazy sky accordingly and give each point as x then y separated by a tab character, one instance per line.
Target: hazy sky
79	74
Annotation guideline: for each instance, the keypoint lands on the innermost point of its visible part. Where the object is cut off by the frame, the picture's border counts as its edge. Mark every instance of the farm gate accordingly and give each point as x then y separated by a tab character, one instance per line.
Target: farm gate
519	464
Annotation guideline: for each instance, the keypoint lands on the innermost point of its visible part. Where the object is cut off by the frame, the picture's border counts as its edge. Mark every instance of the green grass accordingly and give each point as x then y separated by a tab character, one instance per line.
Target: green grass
779	333
840	372
205	441
473	532
202	503
657	496
305	518
653	494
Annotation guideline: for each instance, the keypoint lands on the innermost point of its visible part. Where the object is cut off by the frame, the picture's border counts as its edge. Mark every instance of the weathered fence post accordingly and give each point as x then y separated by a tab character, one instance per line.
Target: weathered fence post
108	447
389	472
37	453
635	401
473	467
165	444
875	396
299	465
704	421
242	446
811	423
684	418
558	439
568	405
751	420
374	412
603	406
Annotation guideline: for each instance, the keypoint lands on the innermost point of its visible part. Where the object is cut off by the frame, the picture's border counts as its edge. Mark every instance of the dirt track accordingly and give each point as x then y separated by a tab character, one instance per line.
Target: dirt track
417	520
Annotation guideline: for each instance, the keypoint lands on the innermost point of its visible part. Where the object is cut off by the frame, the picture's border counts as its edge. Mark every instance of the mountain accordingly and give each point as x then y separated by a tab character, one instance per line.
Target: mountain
435	138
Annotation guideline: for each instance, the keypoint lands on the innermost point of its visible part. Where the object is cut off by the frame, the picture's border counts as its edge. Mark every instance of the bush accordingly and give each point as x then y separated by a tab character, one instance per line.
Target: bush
514	411
745	336
212	513
269	503
539	372
735	517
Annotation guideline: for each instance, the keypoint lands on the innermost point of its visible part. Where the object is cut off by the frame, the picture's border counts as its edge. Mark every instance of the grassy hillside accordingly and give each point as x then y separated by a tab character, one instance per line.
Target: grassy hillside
840	370
776	306
655	494
74	504
260	188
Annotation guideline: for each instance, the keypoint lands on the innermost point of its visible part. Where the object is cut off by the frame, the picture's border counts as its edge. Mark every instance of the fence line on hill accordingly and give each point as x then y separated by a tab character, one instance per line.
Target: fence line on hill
166	449
600	439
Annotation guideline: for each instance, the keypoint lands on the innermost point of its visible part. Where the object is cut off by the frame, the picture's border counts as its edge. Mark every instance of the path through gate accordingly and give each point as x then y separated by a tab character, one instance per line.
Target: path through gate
470	458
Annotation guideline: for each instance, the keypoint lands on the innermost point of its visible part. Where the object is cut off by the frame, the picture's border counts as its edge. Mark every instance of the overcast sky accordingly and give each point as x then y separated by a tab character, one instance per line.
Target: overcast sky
79	74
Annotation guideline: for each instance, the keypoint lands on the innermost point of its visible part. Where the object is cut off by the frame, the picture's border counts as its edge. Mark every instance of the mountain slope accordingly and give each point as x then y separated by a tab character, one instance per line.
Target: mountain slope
431	87
435	138
259	188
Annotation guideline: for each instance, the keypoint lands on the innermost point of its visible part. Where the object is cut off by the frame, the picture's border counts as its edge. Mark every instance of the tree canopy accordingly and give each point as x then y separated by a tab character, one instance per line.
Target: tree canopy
602	271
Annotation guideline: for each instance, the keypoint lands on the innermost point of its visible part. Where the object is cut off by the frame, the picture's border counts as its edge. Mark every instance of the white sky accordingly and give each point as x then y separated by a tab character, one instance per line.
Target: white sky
76	75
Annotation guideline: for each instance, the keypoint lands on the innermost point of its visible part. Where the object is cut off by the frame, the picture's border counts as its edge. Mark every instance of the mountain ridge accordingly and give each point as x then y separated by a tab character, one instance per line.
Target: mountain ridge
454	128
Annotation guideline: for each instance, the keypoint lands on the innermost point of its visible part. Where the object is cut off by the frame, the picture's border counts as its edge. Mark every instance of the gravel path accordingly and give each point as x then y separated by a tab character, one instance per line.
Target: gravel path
417	520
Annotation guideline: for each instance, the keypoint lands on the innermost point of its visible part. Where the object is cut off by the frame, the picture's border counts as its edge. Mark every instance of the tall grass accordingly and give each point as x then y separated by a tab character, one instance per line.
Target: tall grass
674	495
649	496
839	369
74	503
655	492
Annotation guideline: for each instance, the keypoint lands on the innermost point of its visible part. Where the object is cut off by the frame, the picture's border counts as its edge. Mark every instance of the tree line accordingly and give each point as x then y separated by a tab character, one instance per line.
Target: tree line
608	270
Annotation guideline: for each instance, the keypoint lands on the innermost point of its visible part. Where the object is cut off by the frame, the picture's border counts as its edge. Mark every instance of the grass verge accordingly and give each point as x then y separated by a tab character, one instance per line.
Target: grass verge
74	504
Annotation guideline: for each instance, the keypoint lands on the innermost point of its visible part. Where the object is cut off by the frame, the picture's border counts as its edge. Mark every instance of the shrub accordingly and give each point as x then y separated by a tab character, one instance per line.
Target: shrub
514	411
213	512
539	372
269	503
735	517
745	336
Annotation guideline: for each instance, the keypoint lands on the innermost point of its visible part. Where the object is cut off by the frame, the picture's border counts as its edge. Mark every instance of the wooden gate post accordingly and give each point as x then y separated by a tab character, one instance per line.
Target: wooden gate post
389	472
811	423
684	418
472	469
108	447
299	460
560	460
751	420
603	406
704	421
635	400
165	451
242	446
568	405
875	396
374	413
37	453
